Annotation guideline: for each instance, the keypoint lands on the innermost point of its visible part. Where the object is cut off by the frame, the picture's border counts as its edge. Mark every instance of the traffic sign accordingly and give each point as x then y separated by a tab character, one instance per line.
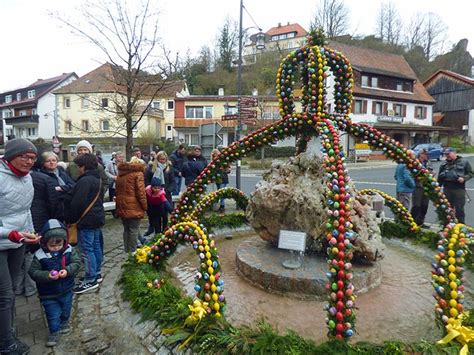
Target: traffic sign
248	114
248	101
230	117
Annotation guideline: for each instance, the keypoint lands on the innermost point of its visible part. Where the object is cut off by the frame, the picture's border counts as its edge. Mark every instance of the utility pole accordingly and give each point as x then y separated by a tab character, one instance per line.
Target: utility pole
238	128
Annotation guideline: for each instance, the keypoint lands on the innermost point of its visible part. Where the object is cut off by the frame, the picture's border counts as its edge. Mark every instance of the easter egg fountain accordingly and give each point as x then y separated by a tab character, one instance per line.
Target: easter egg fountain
340	214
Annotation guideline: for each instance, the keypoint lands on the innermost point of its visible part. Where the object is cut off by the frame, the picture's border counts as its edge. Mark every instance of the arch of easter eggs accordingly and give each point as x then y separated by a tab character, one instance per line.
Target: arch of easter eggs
400	211
207	201
209	286
314	63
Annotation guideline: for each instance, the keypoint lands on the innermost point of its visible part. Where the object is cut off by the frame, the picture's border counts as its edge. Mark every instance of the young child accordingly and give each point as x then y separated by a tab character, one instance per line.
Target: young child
53	268
158	205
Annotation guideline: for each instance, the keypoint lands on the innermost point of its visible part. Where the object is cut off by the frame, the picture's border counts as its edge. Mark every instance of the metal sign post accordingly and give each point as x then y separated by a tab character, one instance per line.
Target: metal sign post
296	243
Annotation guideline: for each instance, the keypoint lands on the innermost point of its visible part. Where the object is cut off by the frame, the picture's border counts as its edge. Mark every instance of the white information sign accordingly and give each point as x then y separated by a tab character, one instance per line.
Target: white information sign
292	240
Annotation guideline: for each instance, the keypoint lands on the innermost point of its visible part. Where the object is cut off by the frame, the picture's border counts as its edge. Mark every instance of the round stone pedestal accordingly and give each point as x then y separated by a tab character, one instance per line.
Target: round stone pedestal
261	264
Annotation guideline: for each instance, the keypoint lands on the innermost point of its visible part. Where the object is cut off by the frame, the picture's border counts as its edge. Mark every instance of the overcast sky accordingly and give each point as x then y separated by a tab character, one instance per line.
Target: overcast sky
35	46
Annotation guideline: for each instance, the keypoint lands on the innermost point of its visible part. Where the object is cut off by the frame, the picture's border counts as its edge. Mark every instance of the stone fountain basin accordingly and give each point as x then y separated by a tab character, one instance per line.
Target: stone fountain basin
261	264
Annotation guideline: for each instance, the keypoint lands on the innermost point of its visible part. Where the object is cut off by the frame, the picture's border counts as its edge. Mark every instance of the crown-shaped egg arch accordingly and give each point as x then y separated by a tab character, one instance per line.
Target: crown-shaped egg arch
310	64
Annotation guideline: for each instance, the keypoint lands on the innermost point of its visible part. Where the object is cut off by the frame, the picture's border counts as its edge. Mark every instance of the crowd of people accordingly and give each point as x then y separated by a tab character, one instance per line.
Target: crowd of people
42	199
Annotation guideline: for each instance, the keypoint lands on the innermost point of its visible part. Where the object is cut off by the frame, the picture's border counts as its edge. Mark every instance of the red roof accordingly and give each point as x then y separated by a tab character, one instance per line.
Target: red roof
290	27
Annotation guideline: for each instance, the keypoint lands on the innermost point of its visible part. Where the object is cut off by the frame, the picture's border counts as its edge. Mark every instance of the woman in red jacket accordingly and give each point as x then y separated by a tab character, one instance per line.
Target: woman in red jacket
131	200
158	205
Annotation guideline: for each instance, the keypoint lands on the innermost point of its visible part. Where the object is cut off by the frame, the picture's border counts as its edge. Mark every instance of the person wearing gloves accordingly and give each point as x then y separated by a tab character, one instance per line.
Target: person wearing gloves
16	230
53	268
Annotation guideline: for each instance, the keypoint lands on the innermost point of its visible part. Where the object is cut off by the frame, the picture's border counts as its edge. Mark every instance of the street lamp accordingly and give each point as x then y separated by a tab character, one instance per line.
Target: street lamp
259	44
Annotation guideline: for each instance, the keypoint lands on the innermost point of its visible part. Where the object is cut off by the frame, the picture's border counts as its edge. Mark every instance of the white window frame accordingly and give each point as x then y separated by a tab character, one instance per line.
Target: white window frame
31	132
23	113
378	104
68	125
18	96
8	99
395	110
85	103
358	107
399	86
7	114
374	82
421	110
195	109
102	125
85	125
364	81
170	105
156	105
67	102
31	94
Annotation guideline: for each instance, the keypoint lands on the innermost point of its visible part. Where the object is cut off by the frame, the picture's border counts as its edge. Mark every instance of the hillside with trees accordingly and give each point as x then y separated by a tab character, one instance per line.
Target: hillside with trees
422	41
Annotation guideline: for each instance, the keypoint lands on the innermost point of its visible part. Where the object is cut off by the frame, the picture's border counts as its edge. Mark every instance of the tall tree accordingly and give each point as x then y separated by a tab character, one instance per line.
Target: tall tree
389	24
227	43
332	16
127	35
426	30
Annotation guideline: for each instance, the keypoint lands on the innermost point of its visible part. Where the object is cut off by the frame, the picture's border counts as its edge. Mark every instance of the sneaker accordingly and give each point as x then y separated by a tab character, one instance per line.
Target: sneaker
65	328
85	287
99	278
21	347
52	340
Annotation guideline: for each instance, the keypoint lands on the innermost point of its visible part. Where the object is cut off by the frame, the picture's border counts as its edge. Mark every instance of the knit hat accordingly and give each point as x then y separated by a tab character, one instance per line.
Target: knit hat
446	151
18	146
54	229
85	144
155	181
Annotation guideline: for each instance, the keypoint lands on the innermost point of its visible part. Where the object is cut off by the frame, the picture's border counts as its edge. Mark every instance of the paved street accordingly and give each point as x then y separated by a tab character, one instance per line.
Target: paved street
101	321
375	175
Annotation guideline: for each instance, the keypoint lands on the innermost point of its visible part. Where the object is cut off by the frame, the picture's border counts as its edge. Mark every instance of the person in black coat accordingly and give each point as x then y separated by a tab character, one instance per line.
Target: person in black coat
193	166
43	208
177	158
89	232
62	182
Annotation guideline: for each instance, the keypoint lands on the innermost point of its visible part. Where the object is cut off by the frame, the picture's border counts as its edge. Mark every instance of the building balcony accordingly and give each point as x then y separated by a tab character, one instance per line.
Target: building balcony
196	122
22	119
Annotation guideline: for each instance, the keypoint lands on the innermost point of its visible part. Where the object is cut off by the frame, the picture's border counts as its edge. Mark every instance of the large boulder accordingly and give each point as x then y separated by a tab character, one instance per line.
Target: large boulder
291	197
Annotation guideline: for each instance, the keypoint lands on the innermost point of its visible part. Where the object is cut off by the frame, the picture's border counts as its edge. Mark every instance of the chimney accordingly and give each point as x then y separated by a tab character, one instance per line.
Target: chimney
254	92
288	23
220	91
279	24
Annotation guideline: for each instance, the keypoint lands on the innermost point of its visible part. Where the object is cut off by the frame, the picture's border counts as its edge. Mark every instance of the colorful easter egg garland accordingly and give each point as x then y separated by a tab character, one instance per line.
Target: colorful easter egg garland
314	62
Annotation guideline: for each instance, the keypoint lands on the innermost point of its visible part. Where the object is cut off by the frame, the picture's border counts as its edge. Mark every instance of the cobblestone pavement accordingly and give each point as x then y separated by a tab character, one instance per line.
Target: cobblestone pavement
101	321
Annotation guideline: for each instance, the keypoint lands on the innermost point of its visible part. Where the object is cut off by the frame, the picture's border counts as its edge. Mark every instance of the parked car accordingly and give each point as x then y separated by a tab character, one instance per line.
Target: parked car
435	150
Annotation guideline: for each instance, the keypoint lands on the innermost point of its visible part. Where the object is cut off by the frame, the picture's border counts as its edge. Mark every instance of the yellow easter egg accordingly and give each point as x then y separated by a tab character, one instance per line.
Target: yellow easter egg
206	248
451	261
453	312
209	262
452	276
451	253
215	297
217	306
208	255
453	285
441	279
213	288
453	294
453	303
451	268
210	270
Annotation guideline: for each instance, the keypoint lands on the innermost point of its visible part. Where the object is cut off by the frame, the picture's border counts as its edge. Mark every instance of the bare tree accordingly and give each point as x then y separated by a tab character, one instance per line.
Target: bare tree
428	31
127	35
227	43
389	24
332	16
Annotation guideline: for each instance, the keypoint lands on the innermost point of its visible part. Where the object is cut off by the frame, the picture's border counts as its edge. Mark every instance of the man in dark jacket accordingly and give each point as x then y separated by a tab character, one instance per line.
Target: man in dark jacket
85	192
453	174
420	200
194	166
177	159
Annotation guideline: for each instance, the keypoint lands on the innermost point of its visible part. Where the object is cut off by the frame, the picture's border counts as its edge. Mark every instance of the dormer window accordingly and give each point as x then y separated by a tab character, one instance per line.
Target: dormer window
8	99
365	80
18	96
31	94
374	82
